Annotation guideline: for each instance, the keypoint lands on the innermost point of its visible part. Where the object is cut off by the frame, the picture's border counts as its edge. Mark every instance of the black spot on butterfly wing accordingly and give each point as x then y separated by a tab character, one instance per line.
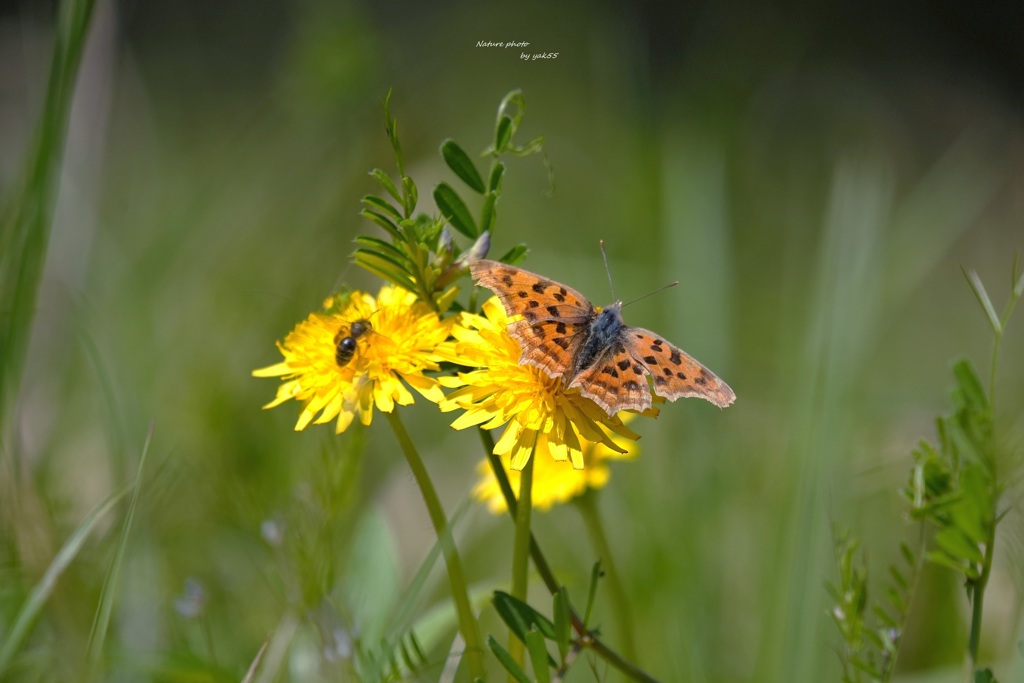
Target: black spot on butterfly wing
681	375
547	344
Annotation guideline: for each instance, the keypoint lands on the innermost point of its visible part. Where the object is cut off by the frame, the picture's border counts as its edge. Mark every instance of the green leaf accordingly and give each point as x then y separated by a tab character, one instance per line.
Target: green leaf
383	260
403	654
984	676
454	209
462	165
970	385
890	637
502	134
1018	286
957	564
412	195
494	180
384	222
506	660
416	658
385	249
389	185
875	639
867	667
563	621
387	275
510	115
520	617
954	542
883	617
898	577
896	600
392	132
937	507
384	267
908	554
539	657
382	206
515	255
973	515
487	213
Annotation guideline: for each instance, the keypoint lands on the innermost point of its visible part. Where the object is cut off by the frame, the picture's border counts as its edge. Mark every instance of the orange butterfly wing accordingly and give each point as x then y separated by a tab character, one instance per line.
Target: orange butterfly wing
552	314
675	373
616	381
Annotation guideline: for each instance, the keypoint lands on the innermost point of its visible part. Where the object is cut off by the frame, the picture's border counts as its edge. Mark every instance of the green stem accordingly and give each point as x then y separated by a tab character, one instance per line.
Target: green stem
614	659
586	504
978	587
468	625
521	551
978	600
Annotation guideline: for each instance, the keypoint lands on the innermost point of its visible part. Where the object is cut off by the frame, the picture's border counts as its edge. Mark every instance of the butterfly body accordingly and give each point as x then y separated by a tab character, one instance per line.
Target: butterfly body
599	337
592	348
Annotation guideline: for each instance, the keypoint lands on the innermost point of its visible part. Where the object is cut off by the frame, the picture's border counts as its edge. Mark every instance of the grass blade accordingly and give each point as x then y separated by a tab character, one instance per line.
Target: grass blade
271	657
255	664
979	292
42	590
25	222
101	621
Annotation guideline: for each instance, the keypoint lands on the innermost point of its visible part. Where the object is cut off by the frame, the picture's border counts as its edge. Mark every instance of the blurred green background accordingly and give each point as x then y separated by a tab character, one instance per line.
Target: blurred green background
814	174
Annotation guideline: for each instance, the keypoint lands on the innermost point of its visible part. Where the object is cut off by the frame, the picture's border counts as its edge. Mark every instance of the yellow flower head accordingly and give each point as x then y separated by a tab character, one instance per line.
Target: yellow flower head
340	363
554	482
537	410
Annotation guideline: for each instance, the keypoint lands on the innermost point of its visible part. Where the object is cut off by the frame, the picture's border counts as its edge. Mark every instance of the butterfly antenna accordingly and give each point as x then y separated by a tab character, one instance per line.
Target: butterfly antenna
659	289
608	271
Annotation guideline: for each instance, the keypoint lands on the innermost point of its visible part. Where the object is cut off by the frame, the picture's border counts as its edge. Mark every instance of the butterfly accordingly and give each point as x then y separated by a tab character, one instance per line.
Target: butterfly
591	348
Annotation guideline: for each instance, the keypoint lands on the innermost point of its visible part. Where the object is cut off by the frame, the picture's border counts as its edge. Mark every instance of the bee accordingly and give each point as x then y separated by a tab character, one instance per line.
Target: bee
346	339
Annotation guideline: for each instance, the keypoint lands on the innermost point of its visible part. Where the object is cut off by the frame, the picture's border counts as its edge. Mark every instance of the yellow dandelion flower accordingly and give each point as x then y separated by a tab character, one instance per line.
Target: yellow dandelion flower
341	363
536	410
554	482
